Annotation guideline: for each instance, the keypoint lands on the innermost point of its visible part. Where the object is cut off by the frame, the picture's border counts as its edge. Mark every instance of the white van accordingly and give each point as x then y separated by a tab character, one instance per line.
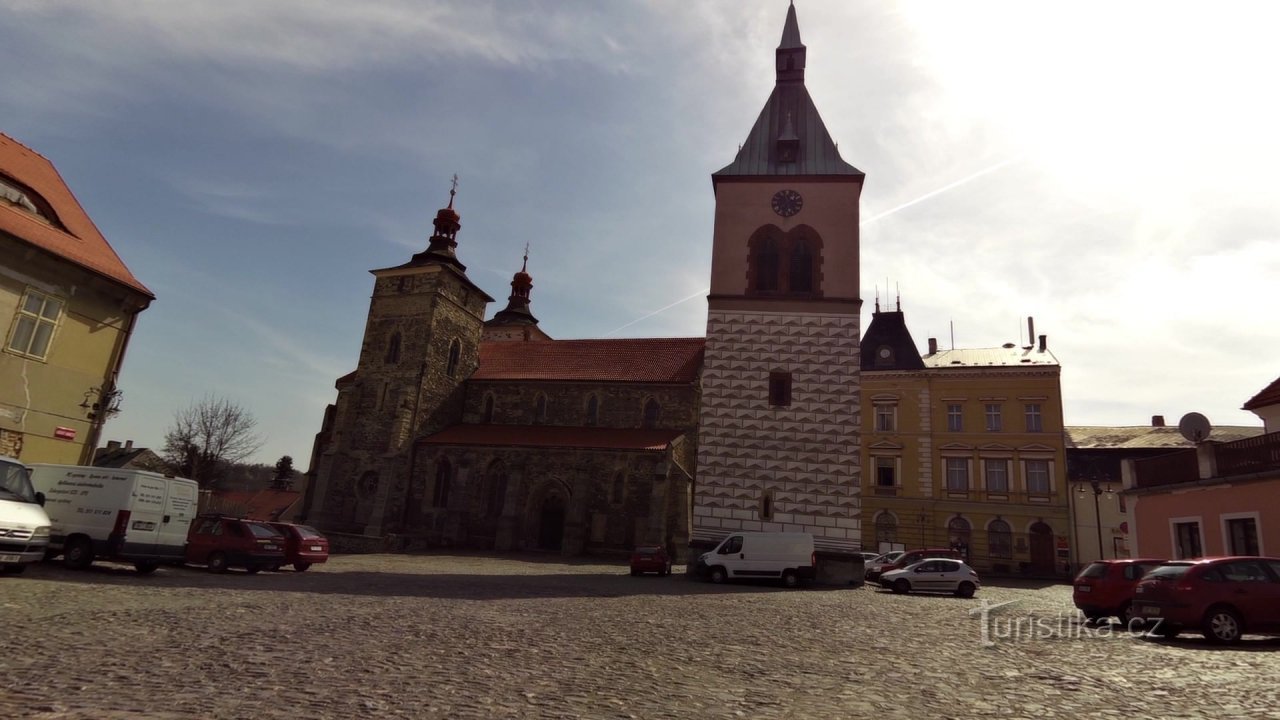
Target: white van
128	515
24	526
755	555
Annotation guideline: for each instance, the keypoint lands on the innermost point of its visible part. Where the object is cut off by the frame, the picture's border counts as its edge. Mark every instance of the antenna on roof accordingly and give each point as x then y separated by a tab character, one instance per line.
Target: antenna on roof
953	334
877	298
898	290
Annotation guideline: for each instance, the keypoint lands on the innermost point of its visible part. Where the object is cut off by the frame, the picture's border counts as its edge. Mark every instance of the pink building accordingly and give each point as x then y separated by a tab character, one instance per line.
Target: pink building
1214	499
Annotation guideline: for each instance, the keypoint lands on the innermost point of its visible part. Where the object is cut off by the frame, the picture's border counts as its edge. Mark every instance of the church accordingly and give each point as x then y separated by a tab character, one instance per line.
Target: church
459	431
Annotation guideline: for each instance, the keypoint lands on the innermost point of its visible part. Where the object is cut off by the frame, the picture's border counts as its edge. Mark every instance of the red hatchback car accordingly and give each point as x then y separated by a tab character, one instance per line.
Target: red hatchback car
650	558
1105	588
304	546
1223	598
220	542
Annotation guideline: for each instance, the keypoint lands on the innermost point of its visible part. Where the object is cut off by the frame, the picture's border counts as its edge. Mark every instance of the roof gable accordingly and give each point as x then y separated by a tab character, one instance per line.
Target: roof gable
1269	395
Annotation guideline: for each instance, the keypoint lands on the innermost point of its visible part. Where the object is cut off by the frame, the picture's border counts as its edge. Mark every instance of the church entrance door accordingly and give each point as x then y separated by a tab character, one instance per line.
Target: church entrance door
551	523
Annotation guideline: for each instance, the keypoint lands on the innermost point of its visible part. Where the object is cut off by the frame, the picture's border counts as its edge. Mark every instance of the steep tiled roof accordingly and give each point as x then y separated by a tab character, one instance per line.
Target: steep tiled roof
889	329
1270	395
548	436
268	504
77	240
982	357
644	360
1147	437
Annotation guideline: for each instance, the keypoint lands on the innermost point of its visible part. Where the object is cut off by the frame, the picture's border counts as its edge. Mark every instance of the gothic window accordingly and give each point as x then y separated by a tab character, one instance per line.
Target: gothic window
652	411
393	349
801	267
593	409
368	485
766	265
455	353
540	408
440	493
497	489
619	491
784	263
488	409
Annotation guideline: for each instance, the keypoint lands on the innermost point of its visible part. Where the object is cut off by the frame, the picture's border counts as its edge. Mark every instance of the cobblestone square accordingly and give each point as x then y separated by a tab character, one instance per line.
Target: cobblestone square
472	636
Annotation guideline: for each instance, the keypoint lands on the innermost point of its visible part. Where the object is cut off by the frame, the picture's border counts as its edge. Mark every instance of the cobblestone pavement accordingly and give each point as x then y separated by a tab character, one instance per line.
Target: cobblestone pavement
468	636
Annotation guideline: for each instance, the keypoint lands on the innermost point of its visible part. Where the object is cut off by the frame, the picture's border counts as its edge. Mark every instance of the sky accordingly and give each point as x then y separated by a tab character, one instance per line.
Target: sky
1106	168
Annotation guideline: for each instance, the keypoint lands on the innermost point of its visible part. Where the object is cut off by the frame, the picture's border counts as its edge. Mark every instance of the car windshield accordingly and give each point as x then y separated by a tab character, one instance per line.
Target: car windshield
1168	572
15	482
263	531
1095	570
646	551
307	532
888	557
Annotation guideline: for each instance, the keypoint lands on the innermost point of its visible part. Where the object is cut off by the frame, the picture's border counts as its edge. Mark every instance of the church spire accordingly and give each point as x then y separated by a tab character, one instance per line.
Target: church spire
444	241
517	311
791	52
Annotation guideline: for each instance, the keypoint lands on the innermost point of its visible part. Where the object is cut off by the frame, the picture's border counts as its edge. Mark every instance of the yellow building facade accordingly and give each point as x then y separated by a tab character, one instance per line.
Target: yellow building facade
68	304
964	449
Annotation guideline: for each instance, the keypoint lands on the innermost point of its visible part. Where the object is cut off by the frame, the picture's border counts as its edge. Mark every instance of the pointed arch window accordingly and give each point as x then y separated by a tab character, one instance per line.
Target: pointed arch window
393	349
766	265
801	267
488	408
593	409
497	489
440	493
652	413
619	490
540	409
455	354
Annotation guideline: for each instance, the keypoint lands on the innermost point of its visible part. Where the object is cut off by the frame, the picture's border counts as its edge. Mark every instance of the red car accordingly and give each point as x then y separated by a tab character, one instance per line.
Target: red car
650	558
220	542
1223	598
1105	588
304	546
911	557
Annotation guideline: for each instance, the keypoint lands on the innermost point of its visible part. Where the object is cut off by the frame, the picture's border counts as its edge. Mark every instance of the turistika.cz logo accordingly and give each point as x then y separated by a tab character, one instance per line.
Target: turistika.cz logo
995	627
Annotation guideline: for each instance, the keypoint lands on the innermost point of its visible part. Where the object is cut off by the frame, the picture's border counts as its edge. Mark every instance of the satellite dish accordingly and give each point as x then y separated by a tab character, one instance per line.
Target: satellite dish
1194	427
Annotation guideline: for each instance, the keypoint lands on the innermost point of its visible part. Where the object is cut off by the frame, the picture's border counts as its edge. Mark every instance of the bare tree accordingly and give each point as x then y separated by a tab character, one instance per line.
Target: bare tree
208	436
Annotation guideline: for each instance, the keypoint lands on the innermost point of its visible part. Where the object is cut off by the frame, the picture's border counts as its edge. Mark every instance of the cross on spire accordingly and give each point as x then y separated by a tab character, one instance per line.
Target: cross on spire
453	190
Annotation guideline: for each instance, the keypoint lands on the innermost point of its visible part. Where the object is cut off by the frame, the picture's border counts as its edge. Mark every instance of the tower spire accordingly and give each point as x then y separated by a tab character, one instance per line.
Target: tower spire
791	52
444	241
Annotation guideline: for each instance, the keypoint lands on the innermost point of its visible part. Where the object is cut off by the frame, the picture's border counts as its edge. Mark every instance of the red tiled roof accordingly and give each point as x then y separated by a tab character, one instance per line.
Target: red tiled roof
253	504
642	360
1270	395
81	243
554	436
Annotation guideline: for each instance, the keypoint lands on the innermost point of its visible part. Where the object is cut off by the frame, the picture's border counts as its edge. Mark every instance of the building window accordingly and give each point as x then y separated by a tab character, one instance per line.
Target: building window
652	413
497	489
33	327
886	529
440	493
619	491
886	418
780	389
393	350
957	474
368	486
993	417
997	472
766	265
959	531
593	409
801	267
1242	536
886	472
1038	477
540	408
1187	537
1034	423
488	408
955	417
766	505
455	354
1000	539
1124	506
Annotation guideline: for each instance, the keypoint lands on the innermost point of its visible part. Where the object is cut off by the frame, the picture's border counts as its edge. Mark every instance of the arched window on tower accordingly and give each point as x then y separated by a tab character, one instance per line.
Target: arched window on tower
593	409
440	493
455	354
801	276
652	412
393	349
540	409
766	265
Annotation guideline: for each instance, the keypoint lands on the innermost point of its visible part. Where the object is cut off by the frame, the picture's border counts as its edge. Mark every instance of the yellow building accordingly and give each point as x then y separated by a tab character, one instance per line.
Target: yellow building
964	448
69	304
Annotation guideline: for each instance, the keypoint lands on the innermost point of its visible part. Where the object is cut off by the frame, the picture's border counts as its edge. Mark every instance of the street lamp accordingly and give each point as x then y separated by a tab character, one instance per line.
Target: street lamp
1097	488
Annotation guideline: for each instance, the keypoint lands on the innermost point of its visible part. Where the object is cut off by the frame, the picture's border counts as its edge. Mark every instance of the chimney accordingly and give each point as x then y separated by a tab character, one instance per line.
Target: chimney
1157	421
113	445
933	346
1031	329
128	444
1044	343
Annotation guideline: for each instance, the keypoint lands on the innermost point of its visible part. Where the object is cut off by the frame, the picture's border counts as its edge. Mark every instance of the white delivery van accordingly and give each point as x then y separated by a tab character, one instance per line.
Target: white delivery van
761	555
24	526
128	515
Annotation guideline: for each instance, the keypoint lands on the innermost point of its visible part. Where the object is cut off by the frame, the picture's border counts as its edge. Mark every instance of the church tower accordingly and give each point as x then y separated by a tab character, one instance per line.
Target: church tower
421	342
779	428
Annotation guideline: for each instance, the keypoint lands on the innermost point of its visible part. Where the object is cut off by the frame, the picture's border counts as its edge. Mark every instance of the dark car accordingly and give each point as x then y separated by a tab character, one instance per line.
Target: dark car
220	542
1223	598
304	546
911	557
650	558
1105	588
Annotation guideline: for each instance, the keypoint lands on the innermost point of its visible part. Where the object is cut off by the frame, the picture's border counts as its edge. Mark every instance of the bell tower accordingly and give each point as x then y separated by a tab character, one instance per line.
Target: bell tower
779	427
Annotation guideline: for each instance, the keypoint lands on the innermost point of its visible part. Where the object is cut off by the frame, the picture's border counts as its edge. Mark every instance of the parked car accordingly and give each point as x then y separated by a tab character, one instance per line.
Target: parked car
1105	587
220	542
650	558
1223	598
912	557
880	562
933	575
24	526
304	546
785	556
868	556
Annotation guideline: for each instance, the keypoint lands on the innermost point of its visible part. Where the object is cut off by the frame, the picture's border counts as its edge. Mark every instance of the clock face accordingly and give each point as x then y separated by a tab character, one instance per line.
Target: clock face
787	202
886	353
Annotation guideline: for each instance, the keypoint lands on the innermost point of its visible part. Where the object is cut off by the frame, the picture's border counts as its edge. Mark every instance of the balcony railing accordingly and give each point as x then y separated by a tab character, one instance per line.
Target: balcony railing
1175	467
1249	455
1006	496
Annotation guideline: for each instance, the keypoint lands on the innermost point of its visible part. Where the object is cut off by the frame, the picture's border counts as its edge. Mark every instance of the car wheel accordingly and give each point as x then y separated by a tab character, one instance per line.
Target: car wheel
902	587
301	566
790	579
276	568
718	575
1127	618
78	554
217	562
1222	625
145	568
965	589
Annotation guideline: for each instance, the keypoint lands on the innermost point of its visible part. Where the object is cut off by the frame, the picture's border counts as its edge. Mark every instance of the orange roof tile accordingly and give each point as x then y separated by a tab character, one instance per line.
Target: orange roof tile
551	436
81	242
1270	395
267	504
641	360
